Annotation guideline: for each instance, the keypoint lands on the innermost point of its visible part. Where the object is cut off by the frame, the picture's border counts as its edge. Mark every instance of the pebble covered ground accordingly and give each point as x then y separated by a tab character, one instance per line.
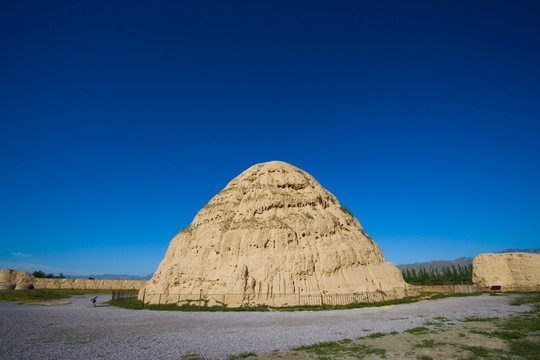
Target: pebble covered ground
79	331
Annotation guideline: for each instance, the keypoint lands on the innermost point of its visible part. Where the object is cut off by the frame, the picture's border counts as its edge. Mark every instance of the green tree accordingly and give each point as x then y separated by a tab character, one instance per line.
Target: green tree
38	274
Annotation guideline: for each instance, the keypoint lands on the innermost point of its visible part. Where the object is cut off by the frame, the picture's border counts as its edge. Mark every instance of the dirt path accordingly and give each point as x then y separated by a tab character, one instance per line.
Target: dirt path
80	331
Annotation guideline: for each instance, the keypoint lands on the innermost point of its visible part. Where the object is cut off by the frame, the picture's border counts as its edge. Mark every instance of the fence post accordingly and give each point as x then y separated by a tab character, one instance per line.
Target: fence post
382	293
298	296
407	293
159	302
143	295
200	298
322	300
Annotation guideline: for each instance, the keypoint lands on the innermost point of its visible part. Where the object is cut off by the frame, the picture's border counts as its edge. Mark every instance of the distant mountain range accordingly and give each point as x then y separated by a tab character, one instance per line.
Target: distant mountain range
111	277
462	261
532	251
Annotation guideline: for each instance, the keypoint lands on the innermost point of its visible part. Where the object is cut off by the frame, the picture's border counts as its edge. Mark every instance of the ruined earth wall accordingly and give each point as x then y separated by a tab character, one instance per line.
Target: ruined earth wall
89	284
511	271
18	280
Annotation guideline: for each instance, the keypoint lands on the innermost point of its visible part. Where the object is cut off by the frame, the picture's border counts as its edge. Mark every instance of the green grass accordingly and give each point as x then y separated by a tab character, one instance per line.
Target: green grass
341	348
478	350
45	294
526	299
526	349
426	344
192	357
242	356
424	357
522	323
418	330
323	348
508	335
376	335
522	332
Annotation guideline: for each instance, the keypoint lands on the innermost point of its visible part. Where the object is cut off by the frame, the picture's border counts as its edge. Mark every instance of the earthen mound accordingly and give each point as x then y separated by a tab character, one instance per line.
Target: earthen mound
273	230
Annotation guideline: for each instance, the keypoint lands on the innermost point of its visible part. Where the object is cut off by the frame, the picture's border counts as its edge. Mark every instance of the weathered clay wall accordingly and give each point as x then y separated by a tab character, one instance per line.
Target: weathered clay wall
278	300
449	289
89	284
511	271
10	279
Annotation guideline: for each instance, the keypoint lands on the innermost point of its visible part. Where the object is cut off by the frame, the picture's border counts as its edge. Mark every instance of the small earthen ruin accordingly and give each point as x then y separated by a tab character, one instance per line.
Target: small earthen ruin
510	271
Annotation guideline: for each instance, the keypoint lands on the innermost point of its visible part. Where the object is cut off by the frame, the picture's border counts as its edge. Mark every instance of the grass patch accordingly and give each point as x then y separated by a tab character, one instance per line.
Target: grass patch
526	299
424	357
376	335
341	348
322	348
519	330
480	332
522	323
477	350
508	335
425	344
242	356
361	350
525	348
418	330
192	357
45	294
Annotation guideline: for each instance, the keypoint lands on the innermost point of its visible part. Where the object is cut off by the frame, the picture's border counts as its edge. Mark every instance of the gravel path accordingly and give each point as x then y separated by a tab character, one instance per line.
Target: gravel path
79	331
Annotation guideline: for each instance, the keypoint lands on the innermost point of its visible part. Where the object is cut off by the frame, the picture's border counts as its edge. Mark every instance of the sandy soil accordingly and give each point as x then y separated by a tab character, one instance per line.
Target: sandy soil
440	339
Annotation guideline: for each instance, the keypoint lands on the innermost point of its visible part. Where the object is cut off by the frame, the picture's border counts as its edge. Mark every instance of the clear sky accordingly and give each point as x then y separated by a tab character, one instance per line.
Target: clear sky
121	119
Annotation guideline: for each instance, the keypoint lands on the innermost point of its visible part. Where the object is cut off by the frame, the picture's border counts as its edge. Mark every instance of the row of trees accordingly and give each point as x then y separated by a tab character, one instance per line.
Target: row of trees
445	275
41	274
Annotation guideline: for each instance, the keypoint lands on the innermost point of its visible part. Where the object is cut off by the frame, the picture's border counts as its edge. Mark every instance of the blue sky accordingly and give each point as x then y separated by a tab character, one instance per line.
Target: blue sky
119	120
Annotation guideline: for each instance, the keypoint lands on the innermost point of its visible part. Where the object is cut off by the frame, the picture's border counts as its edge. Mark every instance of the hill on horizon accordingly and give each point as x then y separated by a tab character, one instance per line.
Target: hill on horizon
461	261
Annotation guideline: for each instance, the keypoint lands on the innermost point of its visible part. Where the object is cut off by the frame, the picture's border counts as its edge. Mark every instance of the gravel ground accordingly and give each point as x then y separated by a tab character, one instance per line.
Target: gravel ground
80	331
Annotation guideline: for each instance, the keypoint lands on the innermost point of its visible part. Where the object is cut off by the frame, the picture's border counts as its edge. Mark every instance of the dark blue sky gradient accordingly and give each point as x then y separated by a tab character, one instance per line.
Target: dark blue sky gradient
121	119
